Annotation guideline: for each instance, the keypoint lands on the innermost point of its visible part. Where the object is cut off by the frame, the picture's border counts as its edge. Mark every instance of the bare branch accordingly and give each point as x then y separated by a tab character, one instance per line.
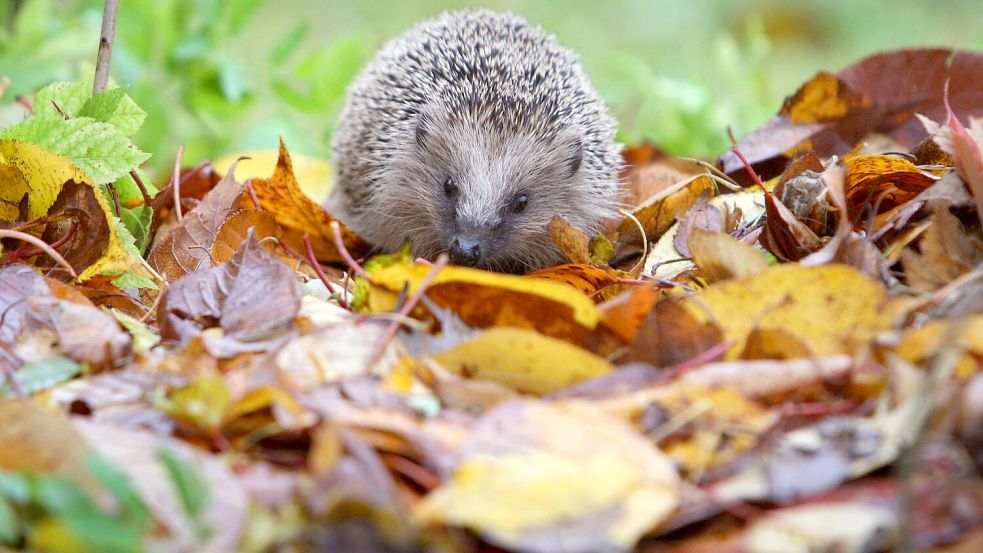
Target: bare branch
103	60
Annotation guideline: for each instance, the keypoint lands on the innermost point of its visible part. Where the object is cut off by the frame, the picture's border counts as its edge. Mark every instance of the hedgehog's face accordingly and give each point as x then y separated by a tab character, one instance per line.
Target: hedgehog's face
486	195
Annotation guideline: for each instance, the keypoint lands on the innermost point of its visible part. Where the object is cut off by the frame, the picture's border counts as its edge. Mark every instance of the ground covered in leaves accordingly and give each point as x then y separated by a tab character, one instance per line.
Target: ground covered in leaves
776	352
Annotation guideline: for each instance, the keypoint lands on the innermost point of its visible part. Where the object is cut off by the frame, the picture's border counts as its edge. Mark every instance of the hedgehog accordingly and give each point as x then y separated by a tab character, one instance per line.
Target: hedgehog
467	135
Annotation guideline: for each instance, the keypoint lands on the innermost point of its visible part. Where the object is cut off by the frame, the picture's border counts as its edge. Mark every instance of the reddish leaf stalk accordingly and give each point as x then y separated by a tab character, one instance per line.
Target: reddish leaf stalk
747	165
252	195
17	235
345	254
700	359
197	169
176	182
312	259
55	245
143	189
25	102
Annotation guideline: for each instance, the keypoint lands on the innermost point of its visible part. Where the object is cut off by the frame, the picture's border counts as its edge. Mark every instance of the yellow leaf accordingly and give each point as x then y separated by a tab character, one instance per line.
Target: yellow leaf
963	334
261	398
535	470
720	425
659	213
483	299
831	309
313	174
524	360
203	403
26	168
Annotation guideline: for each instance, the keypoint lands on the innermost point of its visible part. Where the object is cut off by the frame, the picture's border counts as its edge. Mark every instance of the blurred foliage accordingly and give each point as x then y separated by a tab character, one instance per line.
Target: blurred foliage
229	75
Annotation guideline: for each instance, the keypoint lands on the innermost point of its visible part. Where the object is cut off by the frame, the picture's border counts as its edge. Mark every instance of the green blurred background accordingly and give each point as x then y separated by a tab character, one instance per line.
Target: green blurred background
231	75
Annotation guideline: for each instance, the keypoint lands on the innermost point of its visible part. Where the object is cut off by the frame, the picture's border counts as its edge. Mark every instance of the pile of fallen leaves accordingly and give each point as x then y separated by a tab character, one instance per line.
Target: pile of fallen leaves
780	352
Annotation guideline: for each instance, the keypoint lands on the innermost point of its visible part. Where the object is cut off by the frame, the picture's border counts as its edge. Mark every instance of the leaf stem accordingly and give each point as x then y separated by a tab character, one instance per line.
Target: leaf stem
18	235
176	182
343	251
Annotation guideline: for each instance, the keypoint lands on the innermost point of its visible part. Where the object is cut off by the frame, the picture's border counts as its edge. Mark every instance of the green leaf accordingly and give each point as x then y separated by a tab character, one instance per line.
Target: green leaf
191	487
116	108
41	375
144	337
98	149
137	219
10	526
70	97
100	532
118	483
59	495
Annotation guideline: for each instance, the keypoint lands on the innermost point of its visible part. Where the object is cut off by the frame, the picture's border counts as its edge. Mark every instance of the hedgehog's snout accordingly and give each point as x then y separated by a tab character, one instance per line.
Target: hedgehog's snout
465	251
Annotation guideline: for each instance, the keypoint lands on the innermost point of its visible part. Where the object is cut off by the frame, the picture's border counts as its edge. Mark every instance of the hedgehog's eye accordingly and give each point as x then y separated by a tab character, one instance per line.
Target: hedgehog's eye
450	186
519	202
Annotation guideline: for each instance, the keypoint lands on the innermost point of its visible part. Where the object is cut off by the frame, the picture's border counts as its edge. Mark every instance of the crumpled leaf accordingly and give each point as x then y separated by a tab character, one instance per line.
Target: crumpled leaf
533	477
945	251
36	321
227	296
185	246
524	360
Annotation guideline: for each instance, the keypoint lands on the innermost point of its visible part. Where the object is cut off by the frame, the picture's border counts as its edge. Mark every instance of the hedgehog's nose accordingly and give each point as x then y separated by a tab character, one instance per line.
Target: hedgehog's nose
465	252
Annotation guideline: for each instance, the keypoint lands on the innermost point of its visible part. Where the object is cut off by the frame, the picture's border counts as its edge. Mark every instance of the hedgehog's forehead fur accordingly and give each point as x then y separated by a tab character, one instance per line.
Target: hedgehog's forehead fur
496	105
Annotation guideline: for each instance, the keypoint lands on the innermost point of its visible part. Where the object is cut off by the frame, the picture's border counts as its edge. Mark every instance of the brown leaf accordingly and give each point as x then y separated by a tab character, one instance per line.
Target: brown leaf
584	277
298	215
721	257
703	216
33	316
671	335
235	230
77	205
571	240
945	251
253	297
880	93
785	236
186	246
660	212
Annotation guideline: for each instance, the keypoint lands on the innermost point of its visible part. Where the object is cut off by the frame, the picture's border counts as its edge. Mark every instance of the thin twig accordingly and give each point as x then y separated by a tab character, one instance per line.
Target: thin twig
312	259
17	235
115	196
25	102
345	254
104	57
143	189
747	165
176	182
54	245
407	308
